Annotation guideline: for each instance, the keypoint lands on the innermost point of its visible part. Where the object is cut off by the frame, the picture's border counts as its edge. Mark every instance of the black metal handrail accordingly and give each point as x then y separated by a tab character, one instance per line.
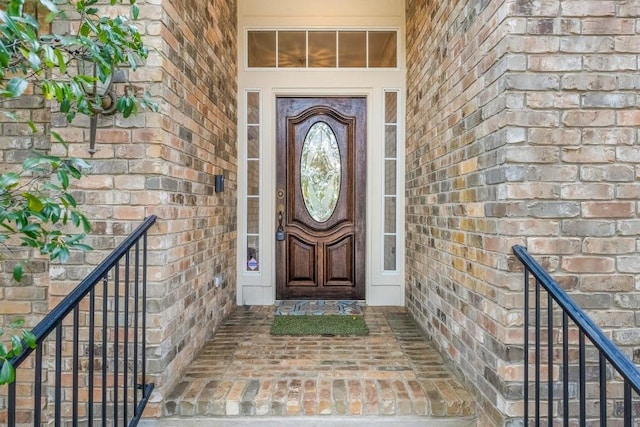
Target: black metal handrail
608	352
124	303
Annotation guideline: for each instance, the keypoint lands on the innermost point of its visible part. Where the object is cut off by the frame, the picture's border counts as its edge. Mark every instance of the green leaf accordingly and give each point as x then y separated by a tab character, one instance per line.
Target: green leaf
9	179
56	212
75	218
34	61
16	345
50	17
62	64
48	55
7	373
135	11
31	230
16	323
65	105
85	30
63	178
5	57
51	186
86	225
35	204
32	243
73	172
8	227
69	200
62	254
17	86
30	339
132	61
74	239
18	272
58	138
70	116
82	247
50	5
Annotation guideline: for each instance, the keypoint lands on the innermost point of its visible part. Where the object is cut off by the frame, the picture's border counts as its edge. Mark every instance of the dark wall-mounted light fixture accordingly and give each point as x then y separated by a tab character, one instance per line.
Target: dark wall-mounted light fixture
219	183
101	91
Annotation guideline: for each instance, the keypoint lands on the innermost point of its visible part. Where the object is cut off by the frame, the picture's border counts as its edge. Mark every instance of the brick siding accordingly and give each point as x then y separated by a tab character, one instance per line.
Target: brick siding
160	163
521	129
197	140
522	126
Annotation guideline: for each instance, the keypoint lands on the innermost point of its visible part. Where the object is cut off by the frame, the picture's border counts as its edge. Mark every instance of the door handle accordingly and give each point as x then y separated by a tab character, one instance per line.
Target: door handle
280	230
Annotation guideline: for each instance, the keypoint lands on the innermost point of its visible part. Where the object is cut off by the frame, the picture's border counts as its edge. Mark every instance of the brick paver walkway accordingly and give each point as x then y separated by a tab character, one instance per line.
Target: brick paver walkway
244	370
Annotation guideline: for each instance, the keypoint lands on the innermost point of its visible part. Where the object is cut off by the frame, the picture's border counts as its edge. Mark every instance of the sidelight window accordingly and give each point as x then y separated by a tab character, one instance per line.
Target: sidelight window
253	181
390	180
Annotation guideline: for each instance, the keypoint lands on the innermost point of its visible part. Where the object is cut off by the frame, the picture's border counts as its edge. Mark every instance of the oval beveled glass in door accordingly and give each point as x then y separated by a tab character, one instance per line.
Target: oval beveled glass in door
320	172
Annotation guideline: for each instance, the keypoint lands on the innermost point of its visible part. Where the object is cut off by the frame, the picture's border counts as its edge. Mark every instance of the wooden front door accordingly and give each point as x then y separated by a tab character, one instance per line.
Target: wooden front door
321	196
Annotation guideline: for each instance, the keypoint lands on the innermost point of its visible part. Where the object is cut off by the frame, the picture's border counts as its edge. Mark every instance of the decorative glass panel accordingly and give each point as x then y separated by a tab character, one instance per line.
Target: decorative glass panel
389	253
382	49
352	49
320	172
390	138
253	177
391	107
253	108
253	142
390	215
261	47
253	254
322	49
390	177
253	215
292	49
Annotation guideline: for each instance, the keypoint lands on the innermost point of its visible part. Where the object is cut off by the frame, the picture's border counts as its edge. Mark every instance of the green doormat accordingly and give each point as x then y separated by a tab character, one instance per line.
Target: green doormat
319	325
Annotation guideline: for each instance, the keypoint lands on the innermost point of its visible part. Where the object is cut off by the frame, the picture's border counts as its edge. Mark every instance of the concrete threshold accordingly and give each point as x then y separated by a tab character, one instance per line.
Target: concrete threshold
310	421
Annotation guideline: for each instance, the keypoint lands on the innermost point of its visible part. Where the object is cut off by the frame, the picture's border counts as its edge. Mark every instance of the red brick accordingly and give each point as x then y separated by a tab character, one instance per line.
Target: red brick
586	264
581	8
589	118
608	209
619	245
588	154
554	245
15	307
628	118
607	283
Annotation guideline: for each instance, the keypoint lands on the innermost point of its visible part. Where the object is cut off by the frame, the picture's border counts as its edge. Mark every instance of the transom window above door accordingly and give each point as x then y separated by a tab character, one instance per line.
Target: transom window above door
322	48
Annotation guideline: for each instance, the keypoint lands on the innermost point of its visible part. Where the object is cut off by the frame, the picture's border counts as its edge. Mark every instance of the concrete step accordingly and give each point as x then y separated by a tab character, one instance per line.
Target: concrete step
311	421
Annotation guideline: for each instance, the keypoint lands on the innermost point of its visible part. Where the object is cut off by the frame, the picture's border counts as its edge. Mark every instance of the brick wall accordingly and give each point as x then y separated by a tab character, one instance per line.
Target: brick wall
521	129
160	163
195	139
